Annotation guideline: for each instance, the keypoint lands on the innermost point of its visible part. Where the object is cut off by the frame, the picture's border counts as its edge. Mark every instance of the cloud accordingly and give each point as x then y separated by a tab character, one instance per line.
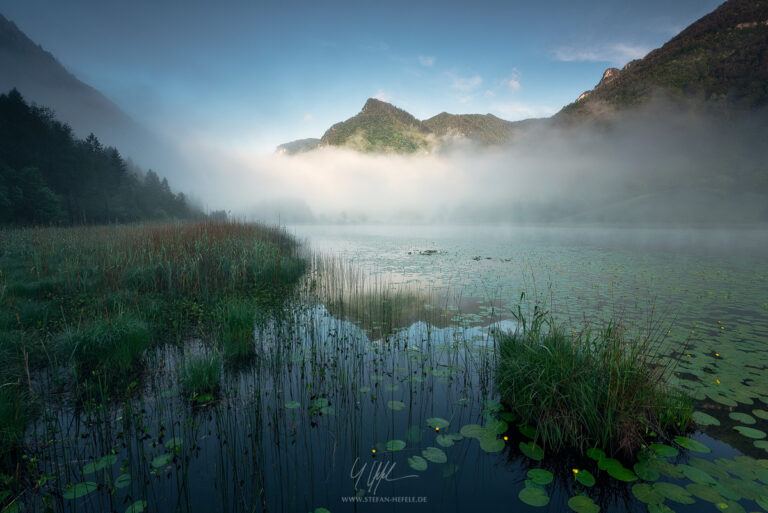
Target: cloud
618	54
382	96
517	110
489	94
426	61
513	84
307	117
466	83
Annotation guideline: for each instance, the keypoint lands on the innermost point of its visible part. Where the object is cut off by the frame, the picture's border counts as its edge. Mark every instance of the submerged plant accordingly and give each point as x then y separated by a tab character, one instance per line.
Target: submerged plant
584	389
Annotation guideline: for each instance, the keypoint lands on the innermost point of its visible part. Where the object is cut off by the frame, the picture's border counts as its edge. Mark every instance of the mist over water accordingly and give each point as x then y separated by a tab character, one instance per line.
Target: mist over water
662	165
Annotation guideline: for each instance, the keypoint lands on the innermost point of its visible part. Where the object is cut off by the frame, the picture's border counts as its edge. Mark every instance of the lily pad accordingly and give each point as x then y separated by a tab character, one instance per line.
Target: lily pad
697	475
472	431
434	455
647	494
704	492
674	492
292	405
417	463
395	445
583	504
595	454
396	405
645	472
585	477
760	414
437	422
174	443
136	507
490	443
742	417
122	481
703	419
665	451
750	432
540	476
534	496
445	440
691	445
162	460
80	490
527	431
532	450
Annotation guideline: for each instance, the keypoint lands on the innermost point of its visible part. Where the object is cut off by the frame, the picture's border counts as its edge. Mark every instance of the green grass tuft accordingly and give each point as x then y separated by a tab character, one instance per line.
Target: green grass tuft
199	375
237	331
582	390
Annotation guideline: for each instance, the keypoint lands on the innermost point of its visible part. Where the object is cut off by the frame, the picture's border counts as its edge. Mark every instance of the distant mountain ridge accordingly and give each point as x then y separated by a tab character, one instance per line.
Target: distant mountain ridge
380	127
720	59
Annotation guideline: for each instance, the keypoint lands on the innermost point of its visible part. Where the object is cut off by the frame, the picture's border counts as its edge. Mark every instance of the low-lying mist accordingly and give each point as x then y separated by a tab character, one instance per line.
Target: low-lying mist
664	164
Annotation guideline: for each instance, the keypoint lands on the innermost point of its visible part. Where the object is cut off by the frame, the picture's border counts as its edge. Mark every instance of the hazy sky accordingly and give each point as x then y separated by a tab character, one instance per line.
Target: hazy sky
251	75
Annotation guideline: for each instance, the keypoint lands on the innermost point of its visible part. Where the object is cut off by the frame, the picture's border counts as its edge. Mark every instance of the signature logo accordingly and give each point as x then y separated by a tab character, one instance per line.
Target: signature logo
378	471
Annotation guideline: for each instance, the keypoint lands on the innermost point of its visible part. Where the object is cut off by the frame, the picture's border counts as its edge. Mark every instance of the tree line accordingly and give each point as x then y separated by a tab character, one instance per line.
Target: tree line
49	176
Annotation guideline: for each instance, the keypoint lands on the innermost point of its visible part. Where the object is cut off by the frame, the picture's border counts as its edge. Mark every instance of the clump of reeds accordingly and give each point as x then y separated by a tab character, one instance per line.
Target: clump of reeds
199	376
585	388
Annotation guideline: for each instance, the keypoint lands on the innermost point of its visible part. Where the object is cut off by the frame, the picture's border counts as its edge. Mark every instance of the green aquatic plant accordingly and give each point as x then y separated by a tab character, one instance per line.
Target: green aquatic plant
110	349
582	388
237	331
199	376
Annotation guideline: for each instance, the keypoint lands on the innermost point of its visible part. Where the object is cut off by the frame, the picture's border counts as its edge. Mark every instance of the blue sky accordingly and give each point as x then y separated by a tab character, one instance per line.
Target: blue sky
250	75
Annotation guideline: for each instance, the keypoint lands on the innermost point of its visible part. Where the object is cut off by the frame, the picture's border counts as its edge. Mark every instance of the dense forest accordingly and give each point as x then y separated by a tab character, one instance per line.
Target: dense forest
48	176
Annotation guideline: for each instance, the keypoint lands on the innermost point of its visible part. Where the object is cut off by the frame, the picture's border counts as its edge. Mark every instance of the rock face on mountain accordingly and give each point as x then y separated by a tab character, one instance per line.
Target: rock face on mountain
721	59
484	129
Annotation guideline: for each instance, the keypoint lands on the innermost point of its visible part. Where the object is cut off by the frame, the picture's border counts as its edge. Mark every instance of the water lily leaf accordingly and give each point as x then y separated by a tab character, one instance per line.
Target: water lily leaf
742	417
540	476
527	431
583	504
122	481
595	454
472	431
320	402
750	432
364	390
697	475
702	419
691	445
437	422
704	492
497	426
162	460
136	507
645	472
434	455
585	477
534	496
647	494
665	468
532	450
445	440
621	473
760	414
508	416
490	443
292	405
396	405
395	445
174	443
493	404
322	510
674	492
665	451
417	463
80	490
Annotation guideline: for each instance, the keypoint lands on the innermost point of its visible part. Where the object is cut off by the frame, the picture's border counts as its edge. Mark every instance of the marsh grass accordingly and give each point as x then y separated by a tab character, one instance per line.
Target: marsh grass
108	348
200	376
591	387
237	330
